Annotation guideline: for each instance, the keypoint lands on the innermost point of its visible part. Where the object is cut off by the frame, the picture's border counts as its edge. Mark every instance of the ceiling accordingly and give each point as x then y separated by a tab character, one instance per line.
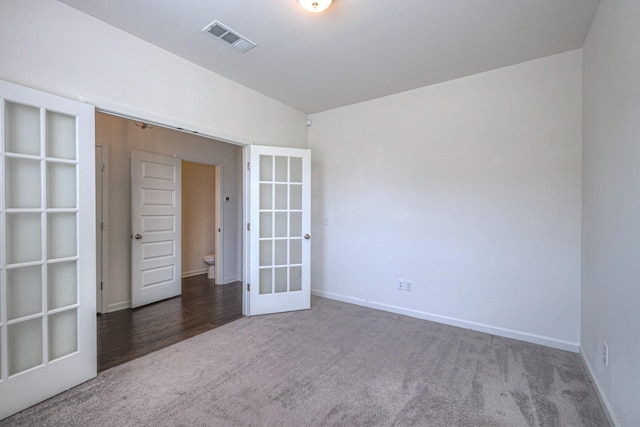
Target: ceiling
356	50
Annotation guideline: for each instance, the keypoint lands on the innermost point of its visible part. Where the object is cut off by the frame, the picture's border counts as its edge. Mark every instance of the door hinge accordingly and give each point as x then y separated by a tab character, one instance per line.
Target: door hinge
248	287
248	166
102	226
248	226
102	167
101	285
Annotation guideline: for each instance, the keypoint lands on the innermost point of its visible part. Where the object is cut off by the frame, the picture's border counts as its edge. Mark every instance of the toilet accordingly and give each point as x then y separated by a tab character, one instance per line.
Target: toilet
210	260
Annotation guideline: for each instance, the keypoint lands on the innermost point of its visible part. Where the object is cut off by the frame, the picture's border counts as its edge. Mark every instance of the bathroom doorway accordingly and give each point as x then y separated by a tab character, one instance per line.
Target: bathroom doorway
201	219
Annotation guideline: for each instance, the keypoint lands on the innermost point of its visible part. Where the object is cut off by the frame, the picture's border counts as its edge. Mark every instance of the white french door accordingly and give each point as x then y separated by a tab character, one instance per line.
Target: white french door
278	236
156	204
47	246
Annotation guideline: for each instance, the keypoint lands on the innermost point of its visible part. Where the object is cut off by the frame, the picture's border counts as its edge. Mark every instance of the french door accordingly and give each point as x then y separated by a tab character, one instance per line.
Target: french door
279	230
47	246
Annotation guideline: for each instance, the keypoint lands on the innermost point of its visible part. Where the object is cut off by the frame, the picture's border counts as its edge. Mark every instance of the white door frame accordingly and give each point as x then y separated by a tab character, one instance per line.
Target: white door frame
219	214
135	114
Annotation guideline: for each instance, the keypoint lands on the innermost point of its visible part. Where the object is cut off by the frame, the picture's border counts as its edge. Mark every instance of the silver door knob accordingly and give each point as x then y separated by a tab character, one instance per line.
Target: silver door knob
138	237
306	236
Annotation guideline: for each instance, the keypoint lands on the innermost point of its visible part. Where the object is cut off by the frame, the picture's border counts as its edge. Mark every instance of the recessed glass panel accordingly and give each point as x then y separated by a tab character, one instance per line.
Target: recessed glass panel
296	169
281	284
295	251
22	178
296	197
266	168
61	136
295	279
280	224
24	291
61	185
62	284
24	240
296	224
62	239
24	345
282	169
266	196
281	252
22	129
281	196
63	334
266	224
266	252
266	281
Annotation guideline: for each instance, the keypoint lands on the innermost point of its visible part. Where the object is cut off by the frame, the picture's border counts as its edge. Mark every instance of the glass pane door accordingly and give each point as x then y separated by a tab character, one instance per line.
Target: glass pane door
279	238
40	263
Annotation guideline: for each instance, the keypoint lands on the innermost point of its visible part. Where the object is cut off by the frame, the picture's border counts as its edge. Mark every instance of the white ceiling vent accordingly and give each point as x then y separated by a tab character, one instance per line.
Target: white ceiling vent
228	36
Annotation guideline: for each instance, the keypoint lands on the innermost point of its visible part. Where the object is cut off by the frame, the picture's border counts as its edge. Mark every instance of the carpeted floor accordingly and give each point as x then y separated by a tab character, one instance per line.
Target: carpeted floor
334	365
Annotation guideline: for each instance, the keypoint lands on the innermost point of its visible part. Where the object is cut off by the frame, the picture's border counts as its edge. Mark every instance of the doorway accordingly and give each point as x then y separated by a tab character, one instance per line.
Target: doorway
201	219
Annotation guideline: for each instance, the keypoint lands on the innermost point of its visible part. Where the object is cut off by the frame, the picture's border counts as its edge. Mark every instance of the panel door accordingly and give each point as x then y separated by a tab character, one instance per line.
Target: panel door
47	246
156	227
279	239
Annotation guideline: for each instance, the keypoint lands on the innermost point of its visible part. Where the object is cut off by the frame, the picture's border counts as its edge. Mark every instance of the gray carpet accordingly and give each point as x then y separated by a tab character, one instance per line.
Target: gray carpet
334	365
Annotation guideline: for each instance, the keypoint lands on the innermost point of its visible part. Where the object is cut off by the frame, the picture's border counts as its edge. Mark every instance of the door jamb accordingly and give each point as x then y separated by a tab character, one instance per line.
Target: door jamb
103	307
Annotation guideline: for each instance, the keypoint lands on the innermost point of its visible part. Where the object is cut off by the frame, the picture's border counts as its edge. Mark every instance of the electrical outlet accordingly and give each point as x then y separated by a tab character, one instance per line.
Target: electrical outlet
401	285
408	285
605	354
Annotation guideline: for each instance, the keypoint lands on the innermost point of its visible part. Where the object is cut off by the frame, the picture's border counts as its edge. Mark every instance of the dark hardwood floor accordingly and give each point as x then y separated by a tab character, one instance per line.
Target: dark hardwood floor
128	334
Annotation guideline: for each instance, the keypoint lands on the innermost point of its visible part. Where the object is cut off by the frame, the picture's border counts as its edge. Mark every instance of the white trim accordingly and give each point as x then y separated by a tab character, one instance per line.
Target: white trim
608	410
105	232
194	273
507	333
228	280
123	305
133	113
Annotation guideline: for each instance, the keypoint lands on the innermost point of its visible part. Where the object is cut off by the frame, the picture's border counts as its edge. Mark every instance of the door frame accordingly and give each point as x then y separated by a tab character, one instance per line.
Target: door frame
218	215
132	113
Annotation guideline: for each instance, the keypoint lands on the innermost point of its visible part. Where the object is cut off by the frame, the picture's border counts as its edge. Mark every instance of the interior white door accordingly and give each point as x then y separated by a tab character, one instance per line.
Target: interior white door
47	246
279	231
156	227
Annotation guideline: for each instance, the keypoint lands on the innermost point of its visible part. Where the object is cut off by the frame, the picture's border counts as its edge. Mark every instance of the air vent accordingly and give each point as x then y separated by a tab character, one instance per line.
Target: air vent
229	37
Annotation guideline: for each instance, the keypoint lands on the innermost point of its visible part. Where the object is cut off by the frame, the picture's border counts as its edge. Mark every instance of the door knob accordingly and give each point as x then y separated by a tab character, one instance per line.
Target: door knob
138	237
306	236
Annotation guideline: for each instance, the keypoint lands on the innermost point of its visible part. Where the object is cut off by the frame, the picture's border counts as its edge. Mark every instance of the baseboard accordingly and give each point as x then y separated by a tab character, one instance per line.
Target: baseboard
599	391
228	280
118	306
507	333
194	272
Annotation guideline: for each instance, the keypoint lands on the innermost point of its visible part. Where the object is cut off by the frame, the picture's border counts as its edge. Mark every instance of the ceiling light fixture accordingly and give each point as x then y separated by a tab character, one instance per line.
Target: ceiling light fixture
315	5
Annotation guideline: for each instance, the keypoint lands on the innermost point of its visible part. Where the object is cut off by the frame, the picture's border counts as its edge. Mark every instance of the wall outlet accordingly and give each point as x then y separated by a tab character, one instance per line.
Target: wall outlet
408	285
605	354
401	285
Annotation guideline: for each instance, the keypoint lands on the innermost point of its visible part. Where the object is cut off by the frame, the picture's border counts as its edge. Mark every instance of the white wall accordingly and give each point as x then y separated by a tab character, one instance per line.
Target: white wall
611	206
198	216
50	46
120	136
470	188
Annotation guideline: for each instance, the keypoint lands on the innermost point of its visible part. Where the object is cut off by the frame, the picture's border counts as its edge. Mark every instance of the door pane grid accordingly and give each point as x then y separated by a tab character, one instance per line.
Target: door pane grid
39	210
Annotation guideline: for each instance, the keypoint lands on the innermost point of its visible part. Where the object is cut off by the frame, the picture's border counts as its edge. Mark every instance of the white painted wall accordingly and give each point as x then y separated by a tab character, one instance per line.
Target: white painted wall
198	216
120	136
50	46
470	188
611	206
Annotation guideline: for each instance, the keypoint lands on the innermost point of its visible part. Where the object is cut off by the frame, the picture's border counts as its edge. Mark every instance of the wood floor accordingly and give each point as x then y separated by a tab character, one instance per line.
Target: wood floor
128	334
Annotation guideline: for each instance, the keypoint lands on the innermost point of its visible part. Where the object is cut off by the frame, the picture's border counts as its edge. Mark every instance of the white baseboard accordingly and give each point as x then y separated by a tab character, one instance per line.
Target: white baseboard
118	306
599	391
194	272
228	280
507	333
